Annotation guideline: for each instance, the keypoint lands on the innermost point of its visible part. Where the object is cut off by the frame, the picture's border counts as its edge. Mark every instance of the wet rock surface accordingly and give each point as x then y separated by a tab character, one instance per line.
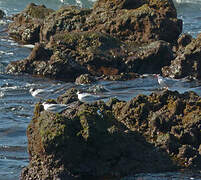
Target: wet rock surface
155	133
2	14
116	40
68	55
110	39
26	26
187	61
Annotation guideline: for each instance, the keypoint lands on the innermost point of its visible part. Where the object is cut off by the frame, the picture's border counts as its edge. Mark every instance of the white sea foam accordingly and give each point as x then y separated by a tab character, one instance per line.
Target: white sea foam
3	22
10	88
2	94
6	53
188	1
31	46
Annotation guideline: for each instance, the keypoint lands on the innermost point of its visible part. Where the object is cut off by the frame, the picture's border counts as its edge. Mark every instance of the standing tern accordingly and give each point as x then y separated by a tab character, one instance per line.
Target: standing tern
84	96
54	107
40	93
161	81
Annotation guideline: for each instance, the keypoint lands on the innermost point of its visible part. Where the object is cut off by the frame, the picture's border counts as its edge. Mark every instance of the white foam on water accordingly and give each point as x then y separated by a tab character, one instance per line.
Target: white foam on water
187	1
31	46
2	94
9	88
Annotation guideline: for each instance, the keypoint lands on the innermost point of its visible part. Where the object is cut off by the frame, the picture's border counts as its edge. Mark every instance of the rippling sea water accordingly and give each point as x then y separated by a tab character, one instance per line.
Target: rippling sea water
16	103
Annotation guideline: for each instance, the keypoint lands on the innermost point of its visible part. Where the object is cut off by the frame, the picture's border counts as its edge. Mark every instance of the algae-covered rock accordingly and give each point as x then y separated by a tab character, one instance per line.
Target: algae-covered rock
85	79
69	55
27	24
65	19
113	38
138	21
155	133
187	61
69	96
169	120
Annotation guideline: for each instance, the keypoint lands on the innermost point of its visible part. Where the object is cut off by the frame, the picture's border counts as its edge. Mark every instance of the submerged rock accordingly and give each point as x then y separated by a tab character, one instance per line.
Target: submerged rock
155	133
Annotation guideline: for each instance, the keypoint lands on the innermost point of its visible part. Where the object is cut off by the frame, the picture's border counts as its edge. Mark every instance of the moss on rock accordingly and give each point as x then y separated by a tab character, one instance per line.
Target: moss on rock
38	12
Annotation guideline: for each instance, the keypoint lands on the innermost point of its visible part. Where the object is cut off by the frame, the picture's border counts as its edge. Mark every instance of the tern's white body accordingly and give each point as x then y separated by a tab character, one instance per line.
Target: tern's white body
161	81
54	107
40	93
83	95
31	46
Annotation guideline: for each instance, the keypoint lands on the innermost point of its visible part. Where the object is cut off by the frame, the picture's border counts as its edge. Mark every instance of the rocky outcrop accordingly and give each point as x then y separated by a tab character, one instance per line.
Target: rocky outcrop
137	21
66	19
188	60
48	63
69	55
155	133
110	39
26	26
85	79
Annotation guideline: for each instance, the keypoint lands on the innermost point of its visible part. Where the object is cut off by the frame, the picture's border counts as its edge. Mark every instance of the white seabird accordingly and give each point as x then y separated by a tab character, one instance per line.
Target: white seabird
54	107
161	81
81	96
39	93
84	96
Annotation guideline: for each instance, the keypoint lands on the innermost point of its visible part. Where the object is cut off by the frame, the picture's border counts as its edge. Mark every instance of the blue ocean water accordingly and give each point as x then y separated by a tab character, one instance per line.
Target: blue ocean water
17	104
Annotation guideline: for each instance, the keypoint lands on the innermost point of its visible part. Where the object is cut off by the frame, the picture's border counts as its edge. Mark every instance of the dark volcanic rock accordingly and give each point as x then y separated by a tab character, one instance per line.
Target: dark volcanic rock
2	14
184	40
26	26
138	21
69	55
188	59
85	79
66	19
155	133
49	63
149	58
114	37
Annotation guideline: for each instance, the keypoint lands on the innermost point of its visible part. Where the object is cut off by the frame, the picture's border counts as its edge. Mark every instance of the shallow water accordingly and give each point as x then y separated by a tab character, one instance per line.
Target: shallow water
17	104
190	12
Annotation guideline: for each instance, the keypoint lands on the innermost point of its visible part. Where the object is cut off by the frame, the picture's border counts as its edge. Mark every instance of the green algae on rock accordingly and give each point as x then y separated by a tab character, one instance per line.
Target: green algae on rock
155	133
112	38
68	55
27	24
85	79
